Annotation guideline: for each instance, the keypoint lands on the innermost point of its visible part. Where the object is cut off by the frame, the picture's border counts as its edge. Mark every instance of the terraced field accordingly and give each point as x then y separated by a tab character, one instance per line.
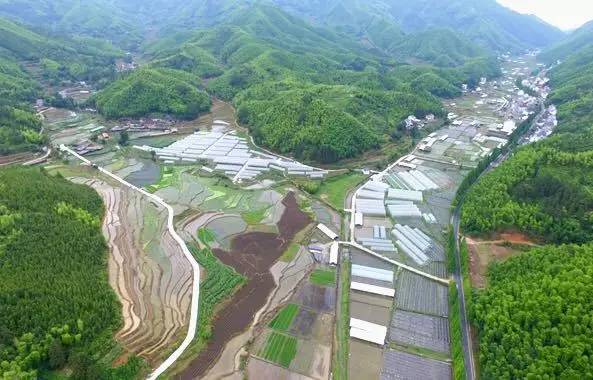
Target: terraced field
147	270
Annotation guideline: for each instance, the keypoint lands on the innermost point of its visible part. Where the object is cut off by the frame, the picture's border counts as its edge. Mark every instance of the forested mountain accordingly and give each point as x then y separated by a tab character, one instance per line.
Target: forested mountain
482	21
308	90
545	189
535	317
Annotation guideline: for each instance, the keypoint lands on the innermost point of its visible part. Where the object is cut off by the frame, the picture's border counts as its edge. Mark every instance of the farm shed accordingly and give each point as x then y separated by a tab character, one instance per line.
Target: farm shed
358	219
334	251
373	273
329	233
373	289
367	331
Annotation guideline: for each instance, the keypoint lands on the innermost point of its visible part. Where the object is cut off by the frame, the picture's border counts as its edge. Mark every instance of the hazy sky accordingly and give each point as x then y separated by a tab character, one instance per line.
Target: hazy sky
565	14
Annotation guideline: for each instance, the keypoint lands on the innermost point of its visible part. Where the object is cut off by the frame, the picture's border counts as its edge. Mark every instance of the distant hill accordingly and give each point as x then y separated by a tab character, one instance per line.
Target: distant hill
380	21
577	40
147	91
441	47
312	91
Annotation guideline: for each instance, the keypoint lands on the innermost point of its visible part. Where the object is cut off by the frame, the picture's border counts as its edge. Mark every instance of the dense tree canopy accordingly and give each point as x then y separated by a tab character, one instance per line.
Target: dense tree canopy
147	91
52	265
536	316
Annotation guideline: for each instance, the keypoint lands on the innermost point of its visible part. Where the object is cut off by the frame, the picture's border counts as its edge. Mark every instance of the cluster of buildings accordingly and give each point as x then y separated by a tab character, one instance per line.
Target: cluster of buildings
229	155
413	122
543	127
86	146
146	125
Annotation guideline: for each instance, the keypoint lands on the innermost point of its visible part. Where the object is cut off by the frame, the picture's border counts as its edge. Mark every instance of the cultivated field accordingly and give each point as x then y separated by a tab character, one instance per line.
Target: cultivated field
401	365
421	295
147	270
424	331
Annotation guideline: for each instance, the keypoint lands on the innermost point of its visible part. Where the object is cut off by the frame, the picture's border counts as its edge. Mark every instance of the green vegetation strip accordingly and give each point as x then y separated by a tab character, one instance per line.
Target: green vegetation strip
290	252
457	355
280	349
340	365
323	277
283	320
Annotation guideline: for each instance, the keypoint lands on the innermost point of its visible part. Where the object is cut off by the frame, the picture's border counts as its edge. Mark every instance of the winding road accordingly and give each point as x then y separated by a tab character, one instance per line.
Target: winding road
193	319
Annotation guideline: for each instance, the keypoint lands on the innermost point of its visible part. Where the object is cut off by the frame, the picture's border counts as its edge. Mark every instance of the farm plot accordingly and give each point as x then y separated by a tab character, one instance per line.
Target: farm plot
312	359
280	349
369	310
259	369
365	361
318	298
421	295
401	365
420	330
284	319
323	277
252	254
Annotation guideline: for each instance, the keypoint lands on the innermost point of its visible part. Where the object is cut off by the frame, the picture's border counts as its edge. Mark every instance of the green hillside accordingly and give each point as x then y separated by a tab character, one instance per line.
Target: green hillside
286	77
56	306
535	316
484	22
576	41
147	91
441	47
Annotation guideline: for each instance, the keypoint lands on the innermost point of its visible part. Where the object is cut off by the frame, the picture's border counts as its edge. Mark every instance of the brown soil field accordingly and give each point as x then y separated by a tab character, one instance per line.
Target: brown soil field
482	253
147	270
366	360
252	254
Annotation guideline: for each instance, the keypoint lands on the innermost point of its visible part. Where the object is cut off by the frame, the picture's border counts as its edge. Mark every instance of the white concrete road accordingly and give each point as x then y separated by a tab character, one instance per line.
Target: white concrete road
193	318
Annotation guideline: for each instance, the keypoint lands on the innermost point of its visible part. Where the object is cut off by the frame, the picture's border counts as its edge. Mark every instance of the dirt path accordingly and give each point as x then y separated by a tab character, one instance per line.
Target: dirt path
150	276
252	254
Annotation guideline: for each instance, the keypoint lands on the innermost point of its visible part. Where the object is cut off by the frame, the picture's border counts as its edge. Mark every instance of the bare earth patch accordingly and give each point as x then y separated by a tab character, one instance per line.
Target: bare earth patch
482	253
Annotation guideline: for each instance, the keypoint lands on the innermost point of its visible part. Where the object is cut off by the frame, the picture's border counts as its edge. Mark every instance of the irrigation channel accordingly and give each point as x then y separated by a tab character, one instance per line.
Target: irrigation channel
193	319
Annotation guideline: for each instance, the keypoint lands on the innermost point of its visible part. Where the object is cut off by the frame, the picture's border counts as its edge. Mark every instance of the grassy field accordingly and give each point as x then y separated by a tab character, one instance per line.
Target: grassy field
334	190
290	253
323	277
280	349
283	320
254	217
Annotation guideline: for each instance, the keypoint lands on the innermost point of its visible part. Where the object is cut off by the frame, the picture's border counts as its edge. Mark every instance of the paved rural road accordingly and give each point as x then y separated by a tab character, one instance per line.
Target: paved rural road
193	318
470	368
